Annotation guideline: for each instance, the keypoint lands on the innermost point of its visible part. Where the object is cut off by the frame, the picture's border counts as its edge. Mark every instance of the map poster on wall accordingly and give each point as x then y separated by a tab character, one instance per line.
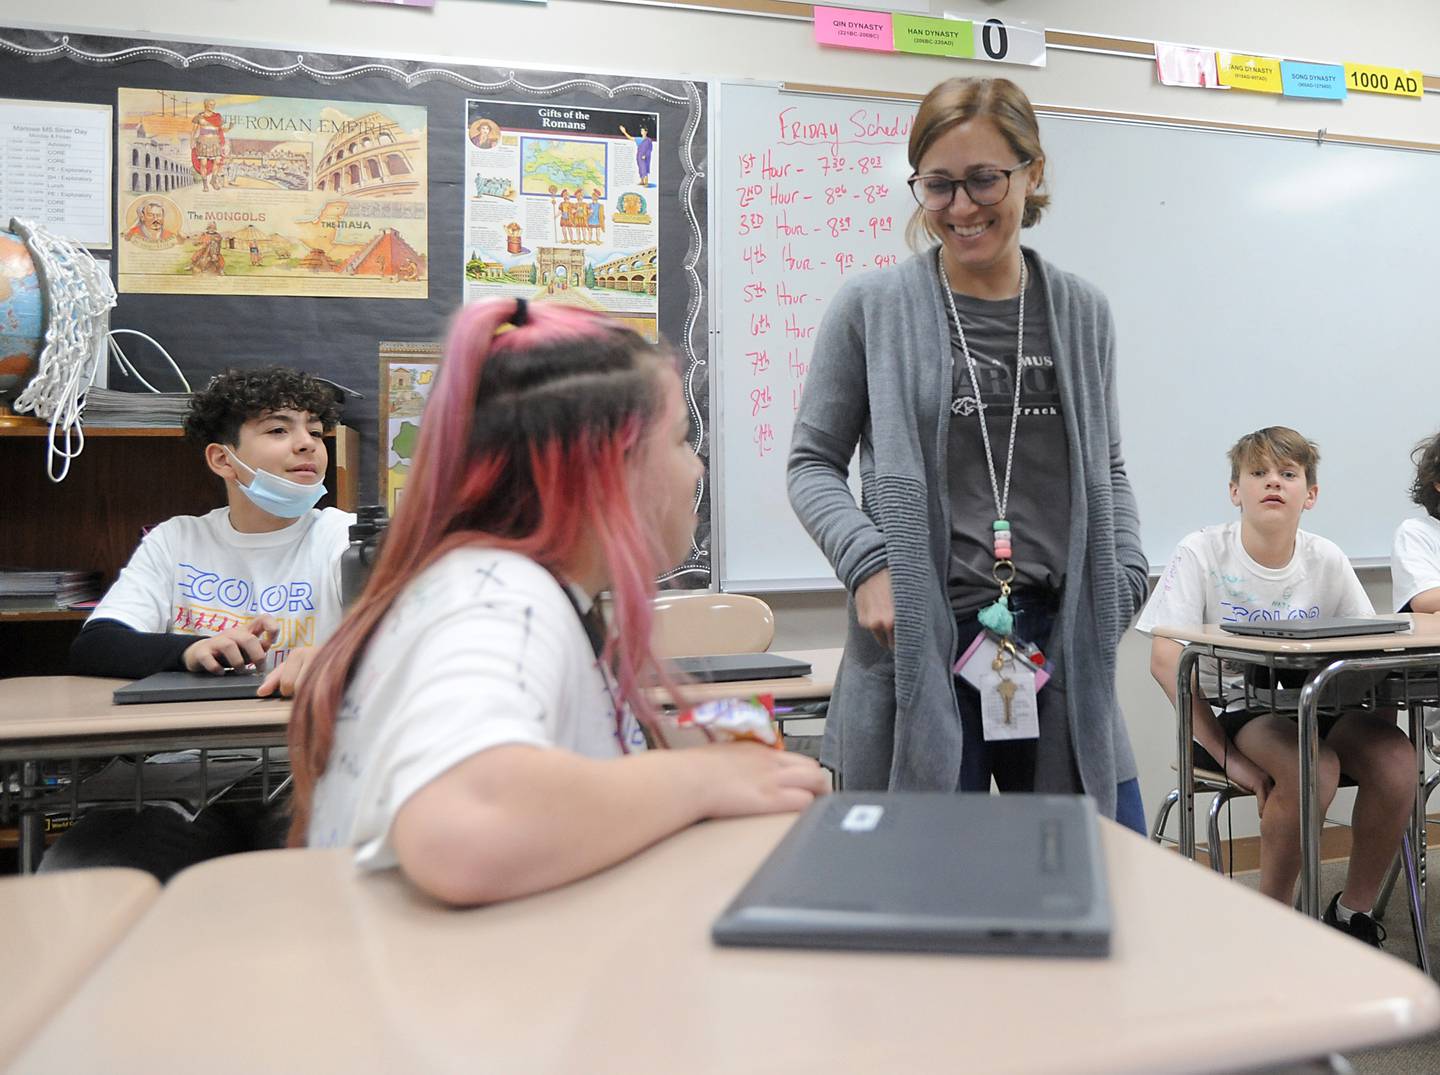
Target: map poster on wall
560	205
231	194
407	373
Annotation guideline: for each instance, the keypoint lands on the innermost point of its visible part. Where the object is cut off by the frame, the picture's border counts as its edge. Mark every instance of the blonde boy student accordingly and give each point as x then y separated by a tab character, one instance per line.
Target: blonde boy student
1263	566
1415	554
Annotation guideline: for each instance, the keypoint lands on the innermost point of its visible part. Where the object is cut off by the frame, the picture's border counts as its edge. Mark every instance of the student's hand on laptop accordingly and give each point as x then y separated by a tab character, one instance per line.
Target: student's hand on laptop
747	778
286	675
875	607
234	648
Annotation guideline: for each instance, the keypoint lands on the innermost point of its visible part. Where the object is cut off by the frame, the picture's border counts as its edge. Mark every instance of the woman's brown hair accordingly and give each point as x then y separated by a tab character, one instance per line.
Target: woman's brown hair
959	100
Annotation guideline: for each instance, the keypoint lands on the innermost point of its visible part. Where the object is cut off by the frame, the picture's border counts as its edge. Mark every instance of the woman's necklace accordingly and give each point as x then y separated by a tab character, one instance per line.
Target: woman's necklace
996	616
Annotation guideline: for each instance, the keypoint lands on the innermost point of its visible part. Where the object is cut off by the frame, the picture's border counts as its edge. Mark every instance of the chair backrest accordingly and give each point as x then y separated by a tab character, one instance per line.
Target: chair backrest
706	624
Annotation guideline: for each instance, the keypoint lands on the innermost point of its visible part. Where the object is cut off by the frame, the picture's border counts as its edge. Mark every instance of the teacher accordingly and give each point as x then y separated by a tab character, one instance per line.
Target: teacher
978	381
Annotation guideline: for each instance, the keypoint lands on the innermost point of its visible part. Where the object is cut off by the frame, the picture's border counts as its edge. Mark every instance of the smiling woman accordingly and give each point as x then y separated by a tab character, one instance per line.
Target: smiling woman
1022	528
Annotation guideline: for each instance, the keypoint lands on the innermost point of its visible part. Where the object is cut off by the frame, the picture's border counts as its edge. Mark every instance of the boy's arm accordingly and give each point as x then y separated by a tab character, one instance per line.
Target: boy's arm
518	819
1205	728
110	648
1426	601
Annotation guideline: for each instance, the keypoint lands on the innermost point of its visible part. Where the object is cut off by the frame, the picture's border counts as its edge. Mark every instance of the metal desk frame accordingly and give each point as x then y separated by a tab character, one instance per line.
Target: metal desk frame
1323	669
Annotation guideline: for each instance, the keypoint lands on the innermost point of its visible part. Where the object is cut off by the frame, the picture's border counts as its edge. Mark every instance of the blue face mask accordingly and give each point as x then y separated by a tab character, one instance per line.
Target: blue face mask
279	496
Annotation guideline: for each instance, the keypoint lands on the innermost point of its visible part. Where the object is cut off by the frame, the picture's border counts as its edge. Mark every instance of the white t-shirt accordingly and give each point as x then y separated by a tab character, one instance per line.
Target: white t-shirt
1211	579
481	650
198	575
1414	560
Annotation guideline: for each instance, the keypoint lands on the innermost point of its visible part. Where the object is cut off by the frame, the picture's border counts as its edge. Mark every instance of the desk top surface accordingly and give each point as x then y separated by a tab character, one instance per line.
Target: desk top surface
43	707
1425	634
54	929
617	974
74	707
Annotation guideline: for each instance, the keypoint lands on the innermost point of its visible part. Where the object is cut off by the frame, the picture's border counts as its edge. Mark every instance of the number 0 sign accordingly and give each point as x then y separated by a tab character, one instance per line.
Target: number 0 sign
1008	41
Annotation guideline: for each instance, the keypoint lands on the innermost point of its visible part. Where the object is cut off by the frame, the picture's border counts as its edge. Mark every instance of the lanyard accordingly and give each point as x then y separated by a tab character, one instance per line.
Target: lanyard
997	616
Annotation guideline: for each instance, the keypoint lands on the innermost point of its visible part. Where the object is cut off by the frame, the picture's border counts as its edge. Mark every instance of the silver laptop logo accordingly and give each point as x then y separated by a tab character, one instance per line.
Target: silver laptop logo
862	817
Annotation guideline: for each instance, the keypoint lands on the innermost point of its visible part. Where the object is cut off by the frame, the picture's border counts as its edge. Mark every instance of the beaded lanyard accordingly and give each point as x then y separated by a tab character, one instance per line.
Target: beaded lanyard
997	617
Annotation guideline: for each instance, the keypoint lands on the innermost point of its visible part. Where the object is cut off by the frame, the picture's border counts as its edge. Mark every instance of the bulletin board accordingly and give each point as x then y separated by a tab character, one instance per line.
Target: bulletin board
348	208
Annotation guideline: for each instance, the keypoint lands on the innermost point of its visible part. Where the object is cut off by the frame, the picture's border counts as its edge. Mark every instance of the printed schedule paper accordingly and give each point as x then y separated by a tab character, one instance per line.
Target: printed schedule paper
55	168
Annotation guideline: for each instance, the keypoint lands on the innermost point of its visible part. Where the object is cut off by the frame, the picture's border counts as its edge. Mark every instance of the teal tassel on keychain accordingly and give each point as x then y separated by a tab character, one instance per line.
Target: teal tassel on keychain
998	616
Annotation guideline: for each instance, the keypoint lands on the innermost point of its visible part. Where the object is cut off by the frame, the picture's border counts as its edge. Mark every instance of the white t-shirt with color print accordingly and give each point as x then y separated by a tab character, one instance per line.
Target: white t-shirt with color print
1414	560
198	575
1211	579
483	649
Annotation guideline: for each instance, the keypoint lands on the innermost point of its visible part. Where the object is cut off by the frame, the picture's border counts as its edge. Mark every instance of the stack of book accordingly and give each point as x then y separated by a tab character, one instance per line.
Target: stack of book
43	591
106	408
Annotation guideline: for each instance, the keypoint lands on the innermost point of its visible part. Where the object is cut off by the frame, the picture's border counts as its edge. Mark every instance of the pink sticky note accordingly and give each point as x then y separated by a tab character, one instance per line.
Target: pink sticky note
854	29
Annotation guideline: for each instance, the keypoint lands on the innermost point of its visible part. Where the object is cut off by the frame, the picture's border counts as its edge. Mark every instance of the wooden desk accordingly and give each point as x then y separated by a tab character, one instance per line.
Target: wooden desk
54	930
317	968
1324	660
49	717
45	718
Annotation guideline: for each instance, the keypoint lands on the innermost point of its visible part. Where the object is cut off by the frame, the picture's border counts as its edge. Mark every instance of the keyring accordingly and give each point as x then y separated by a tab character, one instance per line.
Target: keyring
995	572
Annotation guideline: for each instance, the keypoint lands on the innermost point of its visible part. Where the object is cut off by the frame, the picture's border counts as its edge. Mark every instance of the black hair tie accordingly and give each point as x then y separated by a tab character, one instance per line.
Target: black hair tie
521	314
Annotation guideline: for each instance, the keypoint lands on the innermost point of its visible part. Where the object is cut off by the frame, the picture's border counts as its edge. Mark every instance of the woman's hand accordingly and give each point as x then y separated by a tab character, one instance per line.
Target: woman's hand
875	607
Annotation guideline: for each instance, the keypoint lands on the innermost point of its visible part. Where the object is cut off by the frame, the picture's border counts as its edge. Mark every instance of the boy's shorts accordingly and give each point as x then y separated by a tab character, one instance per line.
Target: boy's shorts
1233	720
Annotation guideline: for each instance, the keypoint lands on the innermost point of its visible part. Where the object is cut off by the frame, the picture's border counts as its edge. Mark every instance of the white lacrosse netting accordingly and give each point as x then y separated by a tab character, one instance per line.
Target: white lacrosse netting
78	299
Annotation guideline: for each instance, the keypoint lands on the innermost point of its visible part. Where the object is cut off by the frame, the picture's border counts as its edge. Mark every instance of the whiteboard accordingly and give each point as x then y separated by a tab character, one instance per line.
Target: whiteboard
1254	280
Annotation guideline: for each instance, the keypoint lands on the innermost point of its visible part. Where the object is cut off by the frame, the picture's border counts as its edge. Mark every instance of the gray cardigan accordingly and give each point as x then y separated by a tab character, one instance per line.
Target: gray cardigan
880	377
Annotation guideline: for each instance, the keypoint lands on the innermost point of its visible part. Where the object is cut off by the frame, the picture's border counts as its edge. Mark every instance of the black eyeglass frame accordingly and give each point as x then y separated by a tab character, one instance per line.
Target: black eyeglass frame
956	184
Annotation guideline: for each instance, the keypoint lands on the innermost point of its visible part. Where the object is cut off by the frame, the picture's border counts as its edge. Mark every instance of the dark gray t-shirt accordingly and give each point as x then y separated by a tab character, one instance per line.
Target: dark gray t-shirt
1039	507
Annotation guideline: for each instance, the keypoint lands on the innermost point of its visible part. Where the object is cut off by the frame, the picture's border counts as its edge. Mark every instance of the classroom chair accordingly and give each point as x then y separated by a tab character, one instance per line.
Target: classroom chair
711	624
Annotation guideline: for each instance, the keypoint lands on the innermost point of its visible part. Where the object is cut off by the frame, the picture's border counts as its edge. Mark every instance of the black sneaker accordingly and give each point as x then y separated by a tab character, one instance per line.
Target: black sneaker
1361	926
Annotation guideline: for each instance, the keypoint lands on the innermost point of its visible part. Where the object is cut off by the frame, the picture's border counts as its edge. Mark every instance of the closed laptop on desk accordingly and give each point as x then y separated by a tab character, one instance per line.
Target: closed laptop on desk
739	666
1317	627
931	872
190	687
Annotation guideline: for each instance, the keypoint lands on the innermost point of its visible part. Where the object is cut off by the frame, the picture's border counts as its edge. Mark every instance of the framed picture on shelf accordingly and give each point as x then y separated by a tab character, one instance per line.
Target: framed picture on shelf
407	371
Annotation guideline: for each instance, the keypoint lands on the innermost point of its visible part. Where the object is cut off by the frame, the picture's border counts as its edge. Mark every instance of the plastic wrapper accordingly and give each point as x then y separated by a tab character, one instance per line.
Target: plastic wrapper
724	720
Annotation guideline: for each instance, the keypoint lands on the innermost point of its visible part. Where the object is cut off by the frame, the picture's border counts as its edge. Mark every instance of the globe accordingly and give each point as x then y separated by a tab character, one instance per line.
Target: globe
22	318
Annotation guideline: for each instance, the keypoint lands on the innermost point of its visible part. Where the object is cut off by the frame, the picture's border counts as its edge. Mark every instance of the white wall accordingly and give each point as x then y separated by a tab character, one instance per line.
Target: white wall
600	36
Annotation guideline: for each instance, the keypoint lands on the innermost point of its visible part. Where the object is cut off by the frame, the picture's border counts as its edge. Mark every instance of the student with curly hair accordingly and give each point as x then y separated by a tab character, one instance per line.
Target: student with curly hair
253	583
1415	553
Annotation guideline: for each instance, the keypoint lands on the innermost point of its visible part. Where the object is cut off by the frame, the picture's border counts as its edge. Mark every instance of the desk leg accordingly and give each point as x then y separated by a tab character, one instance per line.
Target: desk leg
32	825
1185	748
1309	745
1419	905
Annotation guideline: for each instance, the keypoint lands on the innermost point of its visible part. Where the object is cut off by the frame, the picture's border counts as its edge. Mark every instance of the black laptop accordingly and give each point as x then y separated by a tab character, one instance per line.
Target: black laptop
739	666
931	872
1318	627
191	687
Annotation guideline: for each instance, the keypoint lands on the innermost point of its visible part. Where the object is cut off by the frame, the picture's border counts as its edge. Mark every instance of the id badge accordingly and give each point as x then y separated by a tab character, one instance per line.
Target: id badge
1008	705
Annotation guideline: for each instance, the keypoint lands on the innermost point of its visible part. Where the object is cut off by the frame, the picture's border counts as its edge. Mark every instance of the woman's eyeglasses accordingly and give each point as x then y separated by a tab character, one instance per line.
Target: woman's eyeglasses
987	186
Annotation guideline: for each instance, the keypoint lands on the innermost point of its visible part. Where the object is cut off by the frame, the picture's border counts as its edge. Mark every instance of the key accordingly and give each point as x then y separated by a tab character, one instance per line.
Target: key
1006	689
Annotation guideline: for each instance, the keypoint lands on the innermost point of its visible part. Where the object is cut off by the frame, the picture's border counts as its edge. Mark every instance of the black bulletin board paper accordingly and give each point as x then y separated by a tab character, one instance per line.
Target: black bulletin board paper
338	337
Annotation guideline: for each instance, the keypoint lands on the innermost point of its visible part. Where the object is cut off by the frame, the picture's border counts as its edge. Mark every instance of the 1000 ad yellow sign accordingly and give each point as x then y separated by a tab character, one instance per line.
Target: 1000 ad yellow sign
1367	78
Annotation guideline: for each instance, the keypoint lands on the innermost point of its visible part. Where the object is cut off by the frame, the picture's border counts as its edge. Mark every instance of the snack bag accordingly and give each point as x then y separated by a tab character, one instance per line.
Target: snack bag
722	721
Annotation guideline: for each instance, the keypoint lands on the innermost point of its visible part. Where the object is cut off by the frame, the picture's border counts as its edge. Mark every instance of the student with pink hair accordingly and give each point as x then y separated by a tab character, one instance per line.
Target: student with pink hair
475	721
